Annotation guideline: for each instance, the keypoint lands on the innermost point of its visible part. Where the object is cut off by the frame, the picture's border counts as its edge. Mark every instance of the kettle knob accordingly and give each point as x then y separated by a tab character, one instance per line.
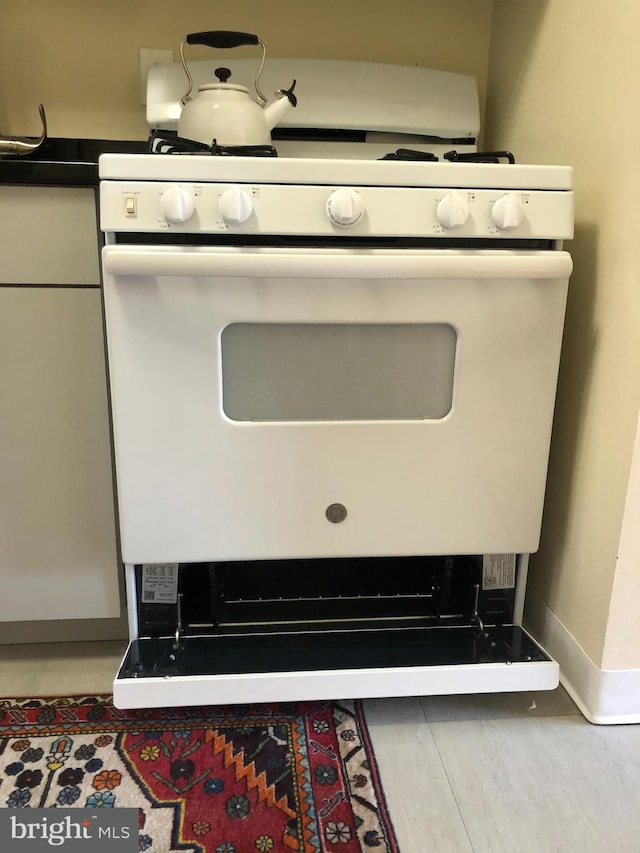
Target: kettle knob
222	74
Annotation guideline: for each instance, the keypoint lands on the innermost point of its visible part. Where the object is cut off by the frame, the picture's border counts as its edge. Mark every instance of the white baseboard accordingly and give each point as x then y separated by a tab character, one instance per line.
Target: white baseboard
605	697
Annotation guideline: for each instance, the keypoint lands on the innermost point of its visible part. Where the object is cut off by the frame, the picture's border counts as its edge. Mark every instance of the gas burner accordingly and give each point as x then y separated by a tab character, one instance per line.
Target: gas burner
479	156
168	143
409	154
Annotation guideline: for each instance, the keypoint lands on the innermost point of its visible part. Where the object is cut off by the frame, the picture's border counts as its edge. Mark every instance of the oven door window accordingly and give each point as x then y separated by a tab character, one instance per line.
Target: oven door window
337	371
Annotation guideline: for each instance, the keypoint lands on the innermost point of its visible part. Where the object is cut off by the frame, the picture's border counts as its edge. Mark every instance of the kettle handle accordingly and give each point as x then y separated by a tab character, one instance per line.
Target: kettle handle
222	38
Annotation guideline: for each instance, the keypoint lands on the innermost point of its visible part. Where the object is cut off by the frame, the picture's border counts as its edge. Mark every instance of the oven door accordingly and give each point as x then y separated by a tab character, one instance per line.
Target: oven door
296	403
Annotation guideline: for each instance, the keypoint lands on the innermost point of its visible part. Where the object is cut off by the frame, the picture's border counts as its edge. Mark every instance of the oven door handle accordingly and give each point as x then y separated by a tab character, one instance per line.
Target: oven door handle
328	263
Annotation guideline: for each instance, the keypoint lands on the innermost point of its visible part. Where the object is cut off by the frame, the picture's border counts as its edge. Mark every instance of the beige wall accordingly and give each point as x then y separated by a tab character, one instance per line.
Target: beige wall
562	88
80	57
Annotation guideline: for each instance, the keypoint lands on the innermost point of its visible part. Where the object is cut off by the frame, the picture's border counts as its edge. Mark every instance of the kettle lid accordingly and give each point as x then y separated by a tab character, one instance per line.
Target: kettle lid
223	85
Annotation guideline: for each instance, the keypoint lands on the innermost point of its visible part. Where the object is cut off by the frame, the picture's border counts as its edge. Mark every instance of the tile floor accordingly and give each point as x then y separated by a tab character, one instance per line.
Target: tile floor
504	773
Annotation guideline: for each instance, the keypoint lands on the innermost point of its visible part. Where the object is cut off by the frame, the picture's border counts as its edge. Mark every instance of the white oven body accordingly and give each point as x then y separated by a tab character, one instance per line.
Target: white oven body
332	390
254	389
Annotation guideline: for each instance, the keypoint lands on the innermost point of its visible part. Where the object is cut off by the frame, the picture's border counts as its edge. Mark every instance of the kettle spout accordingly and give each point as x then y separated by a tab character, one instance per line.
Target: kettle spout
12	145
285	101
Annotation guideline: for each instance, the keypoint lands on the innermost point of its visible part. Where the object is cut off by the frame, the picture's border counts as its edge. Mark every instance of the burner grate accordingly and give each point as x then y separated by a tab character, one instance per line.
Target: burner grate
410	154
479	156
163	142
168	142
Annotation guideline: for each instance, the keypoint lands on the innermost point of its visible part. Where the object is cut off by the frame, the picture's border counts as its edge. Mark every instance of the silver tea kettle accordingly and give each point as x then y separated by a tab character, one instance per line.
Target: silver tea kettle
10	146
225	112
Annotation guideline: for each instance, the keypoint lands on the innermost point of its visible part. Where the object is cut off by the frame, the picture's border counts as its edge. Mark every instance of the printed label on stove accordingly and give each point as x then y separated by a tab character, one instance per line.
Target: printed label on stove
498	571
159	583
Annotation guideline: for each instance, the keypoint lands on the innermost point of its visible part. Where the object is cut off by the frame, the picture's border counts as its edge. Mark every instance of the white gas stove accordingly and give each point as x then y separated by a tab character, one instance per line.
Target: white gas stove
332	385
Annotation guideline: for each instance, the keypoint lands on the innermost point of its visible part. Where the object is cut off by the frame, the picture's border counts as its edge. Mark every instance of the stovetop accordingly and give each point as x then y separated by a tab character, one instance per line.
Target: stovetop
461	172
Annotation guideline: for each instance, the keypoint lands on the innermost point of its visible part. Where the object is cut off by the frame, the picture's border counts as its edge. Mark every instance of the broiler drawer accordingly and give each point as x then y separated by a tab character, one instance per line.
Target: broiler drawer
294	666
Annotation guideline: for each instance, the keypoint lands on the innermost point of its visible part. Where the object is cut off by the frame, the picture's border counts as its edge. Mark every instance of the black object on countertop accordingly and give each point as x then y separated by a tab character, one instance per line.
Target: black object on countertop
64	162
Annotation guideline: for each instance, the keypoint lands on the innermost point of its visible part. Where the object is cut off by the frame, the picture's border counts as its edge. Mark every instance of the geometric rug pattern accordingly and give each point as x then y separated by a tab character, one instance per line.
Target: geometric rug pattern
215	779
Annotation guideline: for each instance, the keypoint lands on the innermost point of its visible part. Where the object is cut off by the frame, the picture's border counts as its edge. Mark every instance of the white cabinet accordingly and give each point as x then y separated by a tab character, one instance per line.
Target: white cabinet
58	556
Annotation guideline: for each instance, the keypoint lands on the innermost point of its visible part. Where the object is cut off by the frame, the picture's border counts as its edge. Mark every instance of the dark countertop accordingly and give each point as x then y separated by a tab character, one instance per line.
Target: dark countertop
63	162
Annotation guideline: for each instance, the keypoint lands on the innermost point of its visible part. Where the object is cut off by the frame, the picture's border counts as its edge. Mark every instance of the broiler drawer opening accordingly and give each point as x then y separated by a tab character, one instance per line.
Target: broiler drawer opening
316	594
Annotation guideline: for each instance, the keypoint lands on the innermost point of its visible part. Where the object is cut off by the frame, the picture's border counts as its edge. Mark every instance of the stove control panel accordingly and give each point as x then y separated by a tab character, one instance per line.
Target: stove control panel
318	210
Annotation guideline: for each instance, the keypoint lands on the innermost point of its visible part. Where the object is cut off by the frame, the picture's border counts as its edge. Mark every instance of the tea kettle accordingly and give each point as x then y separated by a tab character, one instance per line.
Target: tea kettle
16	145
225	112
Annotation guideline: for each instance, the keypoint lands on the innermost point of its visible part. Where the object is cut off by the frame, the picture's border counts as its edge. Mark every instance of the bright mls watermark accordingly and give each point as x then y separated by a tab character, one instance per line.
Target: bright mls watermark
69	830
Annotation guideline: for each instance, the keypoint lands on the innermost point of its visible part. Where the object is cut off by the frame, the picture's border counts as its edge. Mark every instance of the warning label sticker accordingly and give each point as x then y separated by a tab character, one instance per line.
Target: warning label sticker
159	583
498	571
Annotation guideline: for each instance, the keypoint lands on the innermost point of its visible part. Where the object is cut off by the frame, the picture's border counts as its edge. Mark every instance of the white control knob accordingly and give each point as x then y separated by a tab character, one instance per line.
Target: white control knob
345	207
452	210
177	205
508	211
235	206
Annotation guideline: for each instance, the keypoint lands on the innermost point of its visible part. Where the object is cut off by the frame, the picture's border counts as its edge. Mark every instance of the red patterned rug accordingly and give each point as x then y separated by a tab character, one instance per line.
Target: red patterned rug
232	779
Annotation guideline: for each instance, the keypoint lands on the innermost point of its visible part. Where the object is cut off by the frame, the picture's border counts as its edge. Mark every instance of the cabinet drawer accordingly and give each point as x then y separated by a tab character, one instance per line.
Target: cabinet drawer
48	235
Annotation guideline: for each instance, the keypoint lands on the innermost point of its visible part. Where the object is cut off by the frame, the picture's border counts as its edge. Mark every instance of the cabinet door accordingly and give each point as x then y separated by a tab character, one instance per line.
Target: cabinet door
57	531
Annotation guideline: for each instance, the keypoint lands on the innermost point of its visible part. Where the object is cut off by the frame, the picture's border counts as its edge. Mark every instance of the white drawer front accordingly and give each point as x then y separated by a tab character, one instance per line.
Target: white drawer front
48	235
